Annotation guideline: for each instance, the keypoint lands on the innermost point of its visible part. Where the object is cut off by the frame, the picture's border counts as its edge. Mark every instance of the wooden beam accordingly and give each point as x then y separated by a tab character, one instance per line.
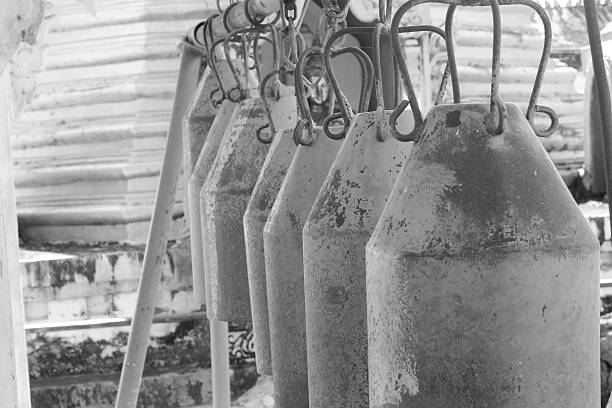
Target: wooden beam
14	380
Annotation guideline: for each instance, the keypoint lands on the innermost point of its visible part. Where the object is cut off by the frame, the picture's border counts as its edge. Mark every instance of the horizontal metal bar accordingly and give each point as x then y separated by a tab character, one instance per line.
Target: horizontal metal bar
110	322
237	19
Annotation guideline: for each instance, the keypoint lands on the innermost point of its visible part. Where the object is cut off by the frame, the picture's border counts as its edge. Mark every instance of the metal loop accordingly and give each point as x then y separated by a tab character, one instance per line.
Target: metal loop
236	93
367	72
395	114
552	115
226	14
212	58
533	107
270	134
302	100
381	123
327	126
267	108
207	32
412	98
191	41
496	123
298	133
217	102
496	102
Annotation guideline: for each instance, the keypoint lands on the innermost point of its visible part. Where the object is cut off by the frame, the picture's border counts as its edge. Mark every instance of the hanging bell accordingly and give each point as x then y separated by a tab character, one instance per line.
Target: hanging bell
284	272
482	273
224	199
283	251
204	126
205	160
335	235
282	149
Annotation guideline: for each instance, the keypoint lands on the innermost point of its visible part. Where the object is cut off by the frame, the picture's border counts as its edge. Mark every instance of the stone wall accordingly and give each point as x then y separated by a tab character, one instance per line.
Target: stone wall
82	283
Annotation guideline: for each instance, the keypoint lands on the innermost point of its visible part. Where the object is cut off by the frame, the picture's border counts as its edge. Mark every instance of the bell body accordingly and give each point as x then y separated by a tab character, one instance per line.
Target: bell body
224	197
284	269
270	179
198	119
482	275
205	159
335	236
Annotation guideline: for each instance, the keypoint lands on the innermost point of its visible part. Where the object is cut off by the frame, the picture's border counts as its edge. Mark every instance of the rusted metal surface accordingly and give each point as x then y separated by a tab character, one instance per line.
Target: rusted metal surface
284	269
477	295
198	120
197	123
602	90
271	177
225	195
208	153
204	126
283	115
334	238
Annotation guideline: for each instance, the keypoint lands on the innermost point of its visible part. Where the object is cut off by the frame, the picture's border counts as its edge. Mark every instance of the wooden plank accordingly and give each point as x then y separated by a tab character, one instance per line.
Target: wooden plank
14	381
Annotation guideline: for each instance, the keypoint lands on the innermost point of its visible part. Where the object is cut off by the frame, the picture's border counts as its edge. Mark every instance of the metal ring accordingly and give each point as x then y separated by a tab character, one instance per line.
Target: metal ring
267	139
327	123
552	115
298	133
226	14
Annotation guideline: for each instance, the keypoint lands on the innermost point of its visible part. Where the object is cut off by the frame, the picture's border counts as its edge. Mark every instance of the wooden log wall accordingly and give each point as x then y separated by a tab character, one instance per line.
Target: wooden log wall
88	146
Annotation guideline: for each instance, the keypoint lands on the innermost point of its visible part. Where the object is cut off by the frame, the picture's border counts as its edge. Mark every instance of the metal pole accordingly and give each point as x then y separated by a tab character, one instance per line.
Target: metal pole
133	364
603	94
235	16
219	364
148	289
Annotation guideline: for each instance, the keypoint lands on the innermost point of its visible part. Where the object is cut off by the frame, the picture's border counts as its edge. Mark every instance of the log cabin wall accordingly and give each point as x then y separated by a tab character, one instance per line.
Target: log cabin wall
88	144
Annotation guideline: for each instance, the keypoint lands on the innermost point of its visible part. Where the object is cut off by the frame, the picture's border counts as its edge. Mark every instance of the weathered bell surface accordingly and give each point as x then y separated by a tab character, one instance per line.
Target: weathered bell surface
482	275
270	179
198	119
206	157
284	269
203	128
335	236
226	193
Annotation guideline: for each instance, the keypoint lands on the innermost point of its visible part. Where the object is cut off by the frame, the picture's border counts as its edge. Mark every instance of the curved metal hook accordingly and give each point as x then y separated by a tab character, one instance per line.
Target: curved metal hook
267	109
498	111
210	57
533	107
378	30
403	68
210	50
216	102
367	70
236	93
305	122
298	133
